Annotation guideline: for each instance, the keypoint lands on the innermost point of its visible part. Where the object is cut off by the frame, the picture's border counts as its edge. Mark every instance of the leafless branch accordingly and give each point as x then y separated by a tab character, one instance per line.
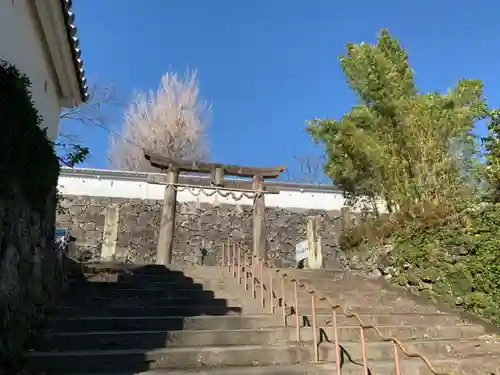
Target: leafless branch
77	119
310	170
92	112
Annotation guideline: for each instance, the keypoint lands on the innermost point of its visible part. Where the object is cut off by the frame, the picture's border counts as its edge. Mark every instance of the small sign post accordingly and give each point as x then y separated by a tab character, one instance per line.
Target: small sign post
301	250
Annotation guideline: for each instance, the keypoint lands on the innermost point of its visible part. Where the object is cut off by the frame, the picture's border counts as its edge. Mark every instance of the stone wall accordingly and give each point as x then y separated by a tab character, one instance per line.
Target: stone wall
373	263
31	269
30	272
197	225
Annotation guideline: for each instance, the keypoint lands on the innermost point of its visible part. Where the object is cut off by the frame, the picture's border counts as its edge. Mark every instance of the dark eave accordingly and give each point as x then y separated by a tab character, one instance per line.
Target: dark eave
74	43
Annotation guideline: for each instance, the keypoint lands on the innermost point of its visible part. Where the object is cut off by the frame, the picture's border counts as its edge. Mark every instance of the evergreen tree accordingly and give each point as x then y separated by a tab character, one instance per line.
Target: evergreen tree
404	146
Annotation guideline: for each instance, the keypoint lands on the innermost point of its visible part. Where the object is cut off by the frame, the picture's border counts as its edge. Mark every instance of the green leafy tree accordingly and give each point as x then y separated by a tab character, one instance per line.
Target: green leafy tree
409	148
491	145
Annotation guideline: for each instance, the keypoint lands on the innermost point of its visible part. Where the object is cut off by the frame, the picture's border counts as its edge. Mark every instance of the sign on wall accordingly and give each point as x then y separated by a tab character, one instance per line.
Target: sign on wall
301	251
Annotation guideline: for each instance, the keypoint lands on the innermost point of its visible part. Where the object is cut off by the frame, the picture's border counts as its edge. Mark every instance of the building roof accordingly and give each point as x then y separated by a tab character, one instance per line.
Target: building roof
74	43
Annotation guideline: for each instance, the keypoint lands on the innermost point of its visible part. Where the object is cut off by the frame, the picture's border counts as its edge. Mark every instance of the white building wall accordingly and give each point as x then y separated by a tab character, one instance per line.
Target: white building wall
115	184
20	45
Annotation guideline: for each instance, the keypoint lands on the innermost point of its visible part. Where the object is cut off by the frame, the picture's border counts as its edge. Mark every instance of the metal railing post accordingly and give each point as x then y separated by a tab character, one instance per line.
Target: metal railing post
245	270
229	255
271	294
239	264
250	269
396	359
253	277
315	328
283	304
261	266
222	256
297	313
337	344
363	350
234	259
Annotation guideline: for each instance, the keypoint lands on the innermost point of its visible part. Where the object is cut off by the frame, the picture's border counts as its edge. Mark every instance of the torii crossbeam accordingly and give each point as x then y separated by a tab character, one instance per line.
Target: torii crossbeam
218	171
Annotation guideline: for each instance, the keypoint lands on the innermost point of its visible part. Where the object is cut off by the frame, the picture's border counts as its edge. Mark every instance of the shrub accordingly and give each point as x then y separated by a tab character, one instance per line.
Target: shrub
28	177
448	256
28	164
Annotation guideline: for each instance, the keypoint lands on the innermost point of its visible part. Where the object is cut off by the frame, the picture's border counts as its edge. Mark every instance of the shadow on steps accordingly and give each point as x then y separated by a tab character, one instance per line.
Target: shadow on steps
112	315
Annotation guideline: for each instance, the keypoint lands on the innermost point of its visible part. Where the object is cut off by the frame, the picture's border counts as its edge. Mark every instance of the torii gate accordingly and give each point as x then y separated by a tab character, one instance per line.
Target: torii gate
218	171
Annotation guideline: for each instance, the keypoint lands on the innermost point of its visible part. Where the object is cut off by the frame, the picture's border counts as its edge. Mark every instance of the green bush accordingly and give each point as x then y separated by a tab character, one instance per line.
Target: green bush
28	163
29	171
448	256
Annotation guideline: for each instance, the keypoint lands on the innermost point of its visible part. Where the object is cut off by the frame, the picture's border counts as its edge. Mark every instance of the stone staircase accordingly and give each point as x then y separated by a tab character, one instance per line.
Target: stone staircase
200	320
155	320
453	342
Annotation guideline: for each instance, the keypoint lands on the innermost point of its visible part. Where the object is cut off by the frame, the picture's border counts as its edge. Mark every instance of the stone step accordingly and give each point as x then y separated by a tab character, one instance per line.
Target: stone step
124	275
140	307
432	349
313	273
374	295
248	355
160	339
129	299
169	323
396	319
153	293
470	366
323	282
370	308
143	291
168	358
466	365
481	365
352	287
147	293
99	266
202	274
373	309
148	318
208	272
403	333
306	303
320	274
149	339
298	369
130	277
144	277
92	285
333	288
149	277
382	297
335	284
131	283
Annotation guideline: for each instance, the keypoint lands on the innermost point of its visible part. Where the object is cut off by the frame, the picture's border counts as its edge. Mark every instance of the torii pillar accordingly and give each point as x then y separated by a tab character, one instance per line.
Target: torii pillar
259	218
174	168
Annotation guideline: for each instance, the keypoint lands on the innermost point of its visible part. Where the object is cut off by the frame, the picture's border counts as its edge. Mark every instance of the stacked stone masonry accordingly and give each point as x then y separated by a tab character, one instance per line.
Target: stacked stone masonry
30	272
198	226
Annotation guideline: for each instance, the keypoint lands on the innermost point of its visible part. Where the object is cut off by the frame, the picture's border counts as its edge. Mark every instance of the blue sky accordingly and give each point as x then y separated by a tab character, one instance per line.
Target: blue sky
267	66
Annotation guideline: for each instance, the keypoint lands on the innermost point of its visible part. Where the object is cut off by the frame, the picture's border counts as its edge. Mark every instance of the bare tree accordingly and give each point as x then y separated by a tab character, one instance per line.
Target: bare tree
310	170
171	121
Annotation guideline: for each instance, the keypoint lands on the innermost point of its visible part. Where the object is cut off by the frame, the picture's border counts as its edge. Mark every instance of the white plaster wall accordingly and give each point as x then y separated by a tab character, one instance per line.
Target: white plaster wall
20	45
105	187
102	184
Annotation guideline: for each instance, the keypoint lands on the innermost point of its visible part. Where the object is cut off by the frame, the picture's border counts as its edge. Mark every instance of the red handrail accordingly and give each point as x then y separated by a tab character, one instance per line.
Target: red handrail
398	345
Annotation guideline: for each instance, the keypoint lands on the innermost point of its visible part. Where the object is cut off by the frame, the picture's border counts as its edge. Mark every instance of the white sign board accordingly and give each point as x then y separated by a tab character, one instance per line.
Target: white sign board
301	251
